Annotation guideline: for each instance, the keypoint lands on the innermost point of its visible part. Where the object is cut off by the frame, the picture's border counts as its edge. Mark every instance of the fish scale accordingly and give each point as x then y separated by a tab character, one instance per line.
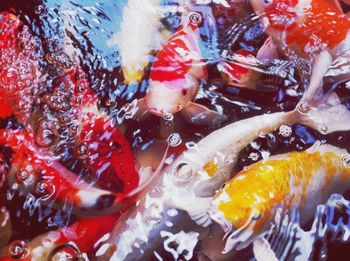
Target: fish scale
296	180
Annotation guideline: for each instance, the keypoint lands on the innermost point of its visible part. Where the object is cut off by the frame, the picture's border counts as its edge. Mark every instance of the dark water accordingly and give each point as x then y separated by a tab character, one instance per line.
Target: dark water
86	27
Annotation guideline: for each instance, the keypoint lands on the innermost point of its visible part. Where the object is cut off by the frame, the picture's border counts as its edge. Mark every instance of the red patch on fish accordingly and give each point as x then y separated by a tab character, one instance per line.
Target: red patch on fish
109	156
175	59
17	68
317	26
235	71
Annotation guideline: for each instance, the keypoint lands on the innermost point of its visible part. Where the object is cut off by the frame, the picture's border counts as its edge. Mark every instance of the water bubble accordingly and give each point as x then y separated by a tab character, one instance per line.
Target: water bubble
346	161
18	249
323	129
254	156
303	107
46	135
82	151
285	131
40	10
23	176
80	88
66	252
44	188
174	140
168	117
195	18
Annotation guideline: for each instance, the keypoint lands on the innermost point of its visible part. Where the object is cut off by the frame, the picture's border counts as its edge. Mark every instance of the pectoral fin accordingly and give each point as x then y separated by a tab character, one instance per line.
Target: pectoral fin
199	114
267	51
197	209
262	250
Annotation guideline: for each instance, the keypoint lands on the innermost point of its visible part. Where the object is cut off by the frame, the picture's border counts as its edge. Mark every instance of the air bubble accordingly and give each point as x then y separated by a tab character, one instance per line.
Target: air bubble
23	176
46	135
40	10
82	151
303	107
323	129
346	161
254	156
168	117
195	18
285	131
44	188
65	252
174	140
18	249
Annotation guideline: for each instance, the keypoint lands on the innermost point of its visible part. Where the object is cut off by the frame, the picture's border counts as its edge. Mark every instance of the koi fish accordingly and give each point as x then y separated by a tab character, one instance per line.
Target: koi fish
237	75
141	18
176	74
40	176
315	30
299	181
189	182
18	67
68	243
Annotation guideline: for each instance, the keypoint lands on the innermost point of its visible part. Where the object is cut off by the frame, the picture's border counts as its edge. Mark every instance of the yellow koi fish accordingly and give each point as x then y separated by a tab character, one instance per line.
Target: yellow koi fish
300	181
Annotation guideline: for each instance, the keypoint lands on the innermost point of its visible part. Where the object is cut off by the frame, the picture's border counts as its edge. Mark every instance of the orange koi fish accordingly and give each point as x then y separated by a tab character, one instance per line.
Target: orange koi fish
247	204
68	243
312	29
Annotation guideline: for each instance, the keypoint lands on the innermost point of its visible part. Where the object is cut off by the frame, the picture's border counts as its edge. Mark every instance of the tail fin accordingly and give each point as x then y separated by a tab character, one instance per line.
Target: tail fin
121	203
327	116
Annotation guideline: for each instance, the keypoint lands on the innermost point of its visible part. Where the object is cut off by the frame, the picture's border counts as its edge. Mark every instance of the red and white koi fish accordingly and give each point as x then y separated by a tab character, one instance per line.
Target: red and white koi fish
74	242
246	206
190	181
311	29
141	18
39	173
176	74
237	75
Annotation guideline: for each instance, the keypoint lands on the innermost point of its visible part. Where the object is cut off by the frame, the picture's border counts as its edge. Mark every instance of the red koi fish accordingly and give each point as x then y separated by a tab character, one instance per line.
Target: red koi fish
18	68
98	143
38	173
104	149
68	243
237	75
176	74
313	29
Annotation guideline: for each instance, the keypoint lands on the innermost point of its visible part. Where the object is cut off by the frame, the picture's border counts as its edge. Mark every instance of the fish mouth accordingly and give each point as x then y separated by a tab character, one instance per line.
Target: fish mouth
236	238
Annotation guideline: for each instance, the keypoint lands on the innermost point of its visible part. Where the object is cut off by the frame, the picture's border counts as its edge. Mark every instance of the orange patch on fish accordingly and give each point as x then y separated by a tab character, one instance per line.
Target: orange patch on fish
211	167
283	180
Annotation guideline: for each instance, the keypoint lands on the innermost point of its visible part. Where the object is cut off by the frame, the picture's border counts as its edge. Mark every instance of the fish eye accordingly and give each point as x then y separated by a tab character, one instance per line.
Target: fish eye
268	1
184	171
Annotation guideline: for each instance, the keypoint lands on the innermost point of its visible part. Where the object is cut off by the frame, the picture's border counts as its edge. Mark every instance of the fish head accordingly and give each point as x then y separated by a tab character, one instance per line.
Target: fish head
240	213
169	97
259	5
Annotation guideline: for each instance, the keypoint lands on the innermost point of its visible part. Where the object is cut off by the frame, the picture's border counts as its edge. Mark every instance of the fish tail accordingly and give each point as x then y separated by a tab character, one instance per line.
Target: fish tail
326	115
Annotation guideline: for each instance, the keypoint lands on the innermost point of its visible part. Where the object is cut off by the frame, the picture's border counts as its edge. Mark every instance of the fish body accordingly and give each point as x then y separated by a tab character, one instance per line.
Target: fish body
189	182
19	67
292	181
239	76
312	29
42	178
179	68
141	19
72	242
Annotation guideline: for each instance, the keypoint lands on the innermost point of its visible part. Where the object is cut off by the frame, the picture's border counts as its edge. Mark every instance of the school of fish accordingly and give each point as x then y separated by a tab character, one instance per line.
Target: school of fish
75	186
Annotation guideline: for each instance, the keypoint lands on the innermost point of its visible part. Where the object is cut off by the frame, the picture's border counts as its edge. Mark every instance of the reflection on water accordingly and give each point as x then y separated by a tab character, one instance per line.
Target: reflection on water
75	76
